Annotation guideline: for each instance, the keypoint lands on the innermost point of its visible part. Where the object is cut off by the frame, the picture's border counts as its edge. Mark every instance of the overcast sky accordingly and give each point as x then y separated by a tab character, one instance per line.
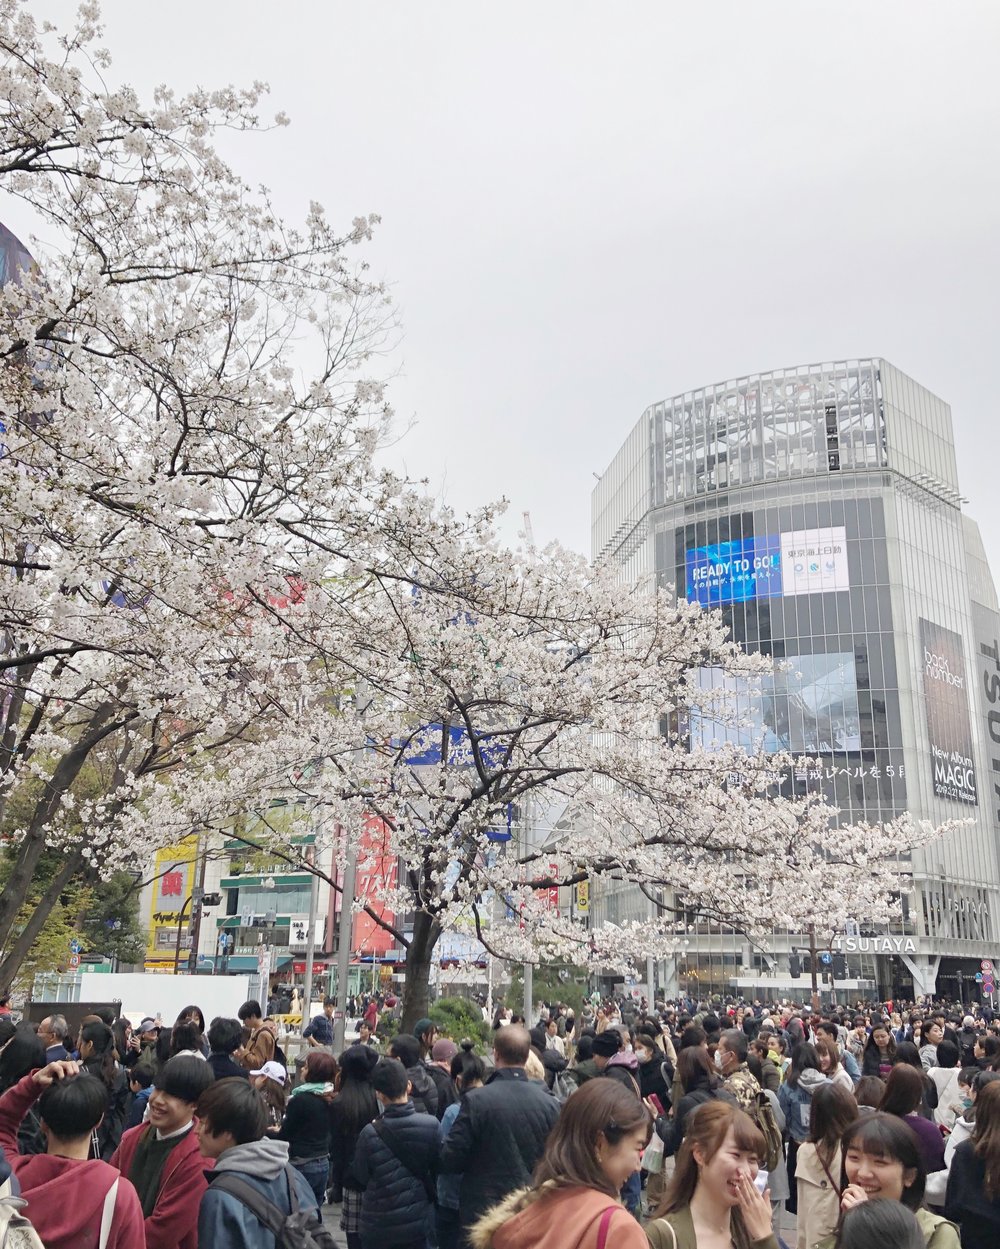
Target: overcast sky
589	207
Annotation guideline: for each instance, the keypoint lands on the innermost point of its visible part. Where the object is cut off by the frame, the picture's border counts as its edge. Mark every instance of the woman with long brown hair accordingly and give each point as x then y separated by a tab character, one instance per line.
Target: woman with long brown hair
711	1202
973	1197
817	1164
595	1145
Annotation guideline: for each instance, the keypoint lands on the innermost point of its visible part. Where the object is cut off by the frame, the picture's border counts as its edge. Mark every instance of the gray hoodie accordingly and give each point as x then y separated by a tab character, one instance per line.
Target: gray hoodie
224	1222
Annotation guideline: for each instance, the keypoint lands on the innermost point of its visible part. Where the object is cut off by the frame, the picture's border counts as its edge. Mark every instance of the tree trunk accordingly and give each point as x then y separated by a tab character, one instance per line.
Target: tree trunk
63	777
15	953
416	988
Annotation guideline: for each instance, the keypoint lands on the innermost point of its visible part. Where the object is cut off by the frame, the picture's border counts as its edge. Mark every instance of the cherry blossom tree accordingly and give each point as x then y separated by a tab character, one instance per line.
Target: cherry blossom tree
210	583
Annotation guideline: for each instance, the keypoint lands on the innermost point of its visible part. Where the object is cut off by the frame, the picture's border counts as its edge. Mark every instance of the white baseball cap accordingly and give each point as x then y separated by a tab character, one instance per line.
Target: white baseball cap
274	1071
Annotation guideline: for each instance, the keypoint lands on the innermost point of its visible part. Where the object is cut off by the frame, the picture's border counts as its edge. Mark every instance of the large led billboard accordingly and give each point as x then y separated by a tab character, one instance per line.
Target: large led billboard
799	561
732	572
809	707
946	710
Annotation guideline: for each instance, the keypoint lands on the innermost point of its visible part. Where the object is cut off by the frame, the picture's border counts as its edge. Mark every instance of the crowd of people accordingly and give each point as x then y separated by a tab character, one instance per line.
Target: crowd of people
617	1127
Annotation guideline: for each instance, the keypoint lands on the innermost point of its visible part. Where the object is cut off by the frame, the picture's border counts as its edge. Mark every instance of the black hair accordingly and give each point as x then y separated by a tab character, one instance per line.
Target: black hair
390	1079
184	1036
185	1077
804	1058
947	1054
7	1029
468	1065
406	1048
691	1036
250	1010
72	1107
356	1103
233	1105
224	1035
584	1048
141	1074
907	1052
106	1014
876	1224
887	1136
23	1053
192	1014
102	1060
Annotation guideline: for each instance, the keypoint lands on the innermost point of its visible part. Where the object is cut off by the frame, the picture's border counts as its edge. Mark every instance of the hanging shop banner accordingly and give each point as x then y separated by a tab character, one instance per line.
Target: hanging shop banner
174	873
946	708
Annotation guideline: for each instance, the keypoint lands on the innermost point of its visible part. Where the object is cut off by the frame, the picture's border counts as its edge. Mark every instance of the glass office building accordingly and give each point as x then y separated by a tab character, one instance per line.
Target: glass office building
818	509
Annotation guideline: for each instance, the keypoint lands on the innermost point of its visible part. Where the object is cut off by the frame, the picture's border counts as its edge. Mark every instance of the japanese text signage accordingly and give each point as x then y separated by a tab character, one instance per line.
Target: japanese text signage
174	870
799	561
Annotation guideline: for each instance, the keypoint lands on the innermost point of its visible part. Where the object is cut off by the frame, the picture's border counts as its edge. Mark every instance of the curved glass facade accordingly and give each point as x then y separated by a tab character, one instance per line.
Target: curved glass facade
817	508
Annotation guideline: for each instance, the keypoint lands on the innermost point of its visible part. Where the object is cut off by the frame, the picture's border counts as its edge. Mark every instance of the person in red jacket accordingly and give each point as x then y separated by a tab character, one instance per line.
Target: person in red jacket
162	1160
69	1195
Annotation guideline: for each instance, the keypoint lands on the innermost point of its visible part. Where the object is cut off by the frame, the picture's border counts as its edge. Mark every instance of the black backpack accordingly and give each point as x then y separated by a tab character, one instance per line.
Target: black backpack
292	1229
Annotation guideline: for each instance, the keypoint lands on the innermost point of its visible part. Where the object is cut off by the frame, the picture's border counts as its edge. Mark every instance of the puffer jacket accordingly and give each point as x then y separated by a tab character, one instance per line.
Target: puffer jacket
498	1137
395	1205
551	1218
796	1103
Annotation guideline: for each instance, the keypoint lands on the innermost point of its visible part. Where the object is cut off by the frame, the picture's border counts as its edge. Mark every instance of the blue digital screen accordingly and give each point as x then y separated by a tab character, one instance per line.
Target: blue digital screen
734	572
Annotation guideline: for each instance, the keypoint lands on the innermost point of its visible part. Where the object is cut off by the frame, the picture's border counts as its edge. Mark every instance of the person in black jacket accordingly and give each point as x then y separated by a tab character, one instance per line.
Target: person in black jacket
395	1161
224	1038
306	1125
973	1194
700	1084
354	1107
96	1044
500	1131
406	1049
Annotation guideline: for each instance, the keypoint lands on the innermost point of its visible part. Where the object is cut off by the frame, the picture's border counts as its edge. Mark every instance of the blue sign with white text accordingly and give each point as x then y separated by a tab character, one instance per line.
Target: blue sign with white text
734	572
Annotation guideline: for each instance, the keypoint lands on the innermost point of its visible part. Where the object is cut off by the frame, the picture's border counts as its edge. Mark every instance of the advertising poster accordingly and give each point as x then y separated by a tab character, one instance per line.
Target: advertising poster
376	872
946	708
733	572
774	565
814	561
174	870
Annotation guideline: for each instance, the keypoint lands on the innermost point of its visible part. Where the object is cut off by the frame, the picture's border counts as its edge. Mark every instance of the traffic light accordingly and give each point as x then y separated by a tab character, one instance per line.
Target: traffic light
794	966
807	964
839	966
211	899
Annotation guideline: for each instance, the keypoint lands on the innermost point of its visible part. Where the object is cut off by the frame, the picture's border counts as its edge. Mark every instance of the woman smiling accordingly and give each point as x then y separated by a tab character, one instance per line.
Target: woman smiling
882	1161
712	1202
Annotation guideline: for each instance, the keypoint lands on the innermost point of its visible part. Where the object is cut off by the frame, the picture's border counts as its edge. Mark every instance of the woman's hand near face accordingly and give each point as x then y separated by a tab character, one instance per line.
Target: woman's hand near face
853	1195
756	1209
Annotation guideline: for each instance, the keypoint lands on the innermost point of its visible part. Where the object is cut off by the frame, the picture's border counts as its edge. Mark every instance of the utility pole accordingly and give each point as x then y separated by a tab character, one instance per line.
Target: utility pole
529	993
310	947
345	937
813	959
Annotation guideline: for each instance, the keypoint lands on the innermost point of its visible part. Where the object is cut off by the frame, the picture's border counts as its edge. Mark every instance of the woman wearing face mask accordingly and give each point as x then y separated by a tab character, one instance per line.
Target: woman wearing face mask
881	1159
971	1082
711	1201
651	1078
595	1145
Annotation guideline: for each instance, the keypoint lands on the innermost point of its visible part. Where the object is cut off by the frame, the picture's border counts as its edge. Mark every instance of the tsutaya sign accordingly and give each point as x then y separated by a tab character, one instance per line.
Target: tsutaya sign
877	945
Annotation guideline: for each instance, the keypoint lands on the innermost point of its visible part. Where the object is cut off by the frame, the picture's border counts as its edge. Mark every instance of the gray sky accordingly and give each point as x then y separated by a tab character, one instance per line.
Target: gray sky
588	207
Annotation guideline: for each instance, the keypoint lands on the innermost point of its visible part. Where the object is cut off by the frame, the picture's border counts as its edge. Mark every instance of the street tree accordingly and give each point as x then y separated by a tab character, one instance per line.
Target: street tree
211	583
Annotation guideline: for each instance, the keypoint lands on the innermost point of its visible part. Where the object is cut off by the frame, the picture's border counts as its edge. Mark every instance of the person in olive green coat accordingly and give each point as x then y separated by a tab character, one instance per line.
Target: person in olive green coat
712	1199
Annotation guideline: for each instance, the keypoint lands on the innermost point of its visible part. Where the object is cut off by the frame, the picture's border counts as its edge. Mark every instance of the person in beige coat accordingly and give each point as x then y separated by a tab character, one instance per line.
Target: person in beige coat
817	1164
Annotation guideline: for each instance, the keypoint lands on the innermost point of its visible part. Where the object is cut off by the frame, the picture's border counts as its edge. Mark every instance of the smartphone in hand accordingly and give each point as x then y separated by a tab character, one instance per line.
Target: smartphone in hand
657	1103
